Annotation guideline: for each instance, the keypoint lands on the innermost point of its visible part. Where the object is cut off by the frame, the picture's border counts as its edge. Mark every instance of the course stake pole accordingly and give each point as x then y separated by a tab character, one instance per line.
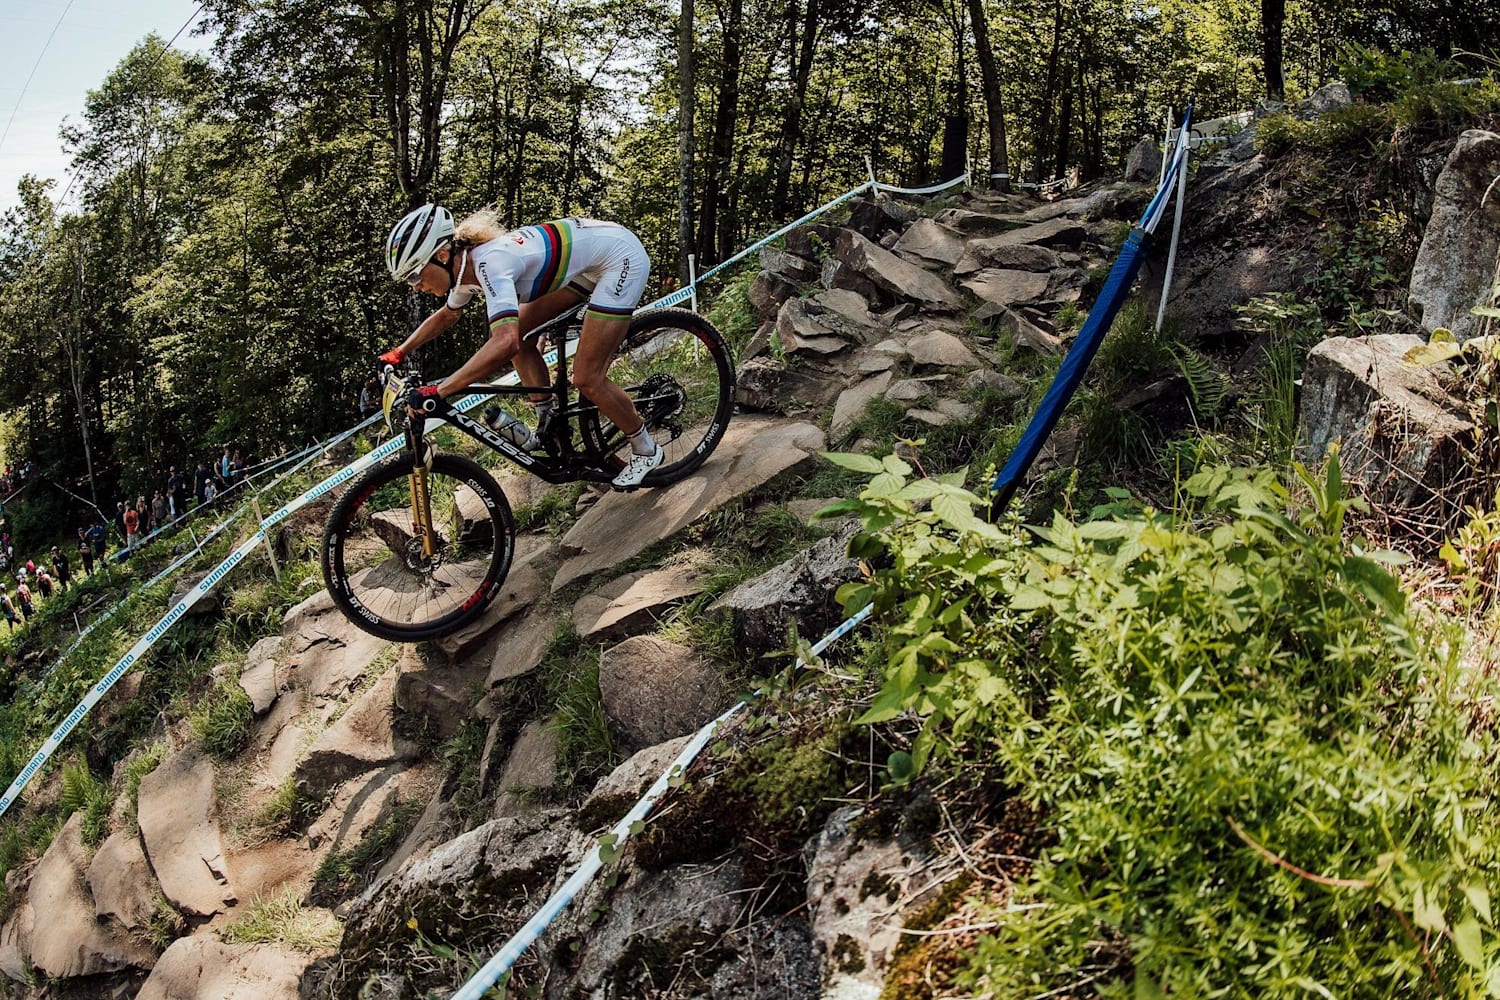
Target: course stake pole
1166	284
270	549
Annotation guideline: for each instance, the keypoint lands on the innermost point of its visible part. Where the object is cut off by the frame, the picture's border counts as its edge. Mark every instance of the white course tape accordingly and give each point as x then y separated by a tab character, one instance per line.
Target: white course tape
827	206
501	963
934	189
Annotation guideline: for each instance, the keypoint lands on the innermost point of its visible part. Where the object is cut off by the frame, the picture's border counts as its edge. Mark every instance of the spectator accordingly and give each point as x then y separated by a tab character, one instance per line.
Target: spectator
369	399
97	536
132	527
144	509
85	553
225	461
236	467
120	520
200	480
23	594
9	608
158	511
211	491
44	584
61	568
177	493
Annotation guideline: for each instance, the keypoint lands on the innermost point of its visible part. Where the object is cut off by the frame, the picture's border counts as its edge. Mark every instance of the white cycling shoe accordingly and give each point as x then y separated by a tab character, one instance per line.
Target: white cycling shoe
638	467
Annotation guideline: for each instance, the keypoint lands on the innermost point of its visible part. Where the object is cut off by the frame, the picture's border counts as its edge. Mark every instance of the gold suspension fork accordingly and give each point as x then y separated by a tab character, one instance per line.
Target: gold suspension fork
416	480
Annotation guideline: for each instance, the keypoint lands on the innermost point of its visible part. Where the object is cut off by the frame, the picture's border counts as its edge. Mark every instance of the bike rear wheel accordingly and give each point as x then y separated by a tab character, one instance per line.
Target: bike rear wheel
679	371
373	559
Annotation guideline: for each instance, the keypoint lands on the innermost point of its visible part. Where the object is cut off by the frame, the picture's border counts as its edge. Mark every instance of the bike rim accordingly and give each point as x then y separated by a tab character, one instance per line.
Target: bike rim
377	559
673	373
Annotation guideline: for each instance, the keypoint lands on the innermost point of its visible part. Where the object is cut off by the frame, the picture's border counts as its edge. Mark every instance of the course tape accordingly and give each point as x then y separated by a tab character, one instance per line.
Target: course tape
492	971
146	642
306	455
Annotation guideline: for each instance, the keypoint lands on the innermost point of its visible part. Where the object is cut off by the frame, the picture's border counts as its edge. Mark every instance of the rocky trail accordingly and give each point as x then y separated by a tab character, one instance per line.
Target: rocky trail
409	807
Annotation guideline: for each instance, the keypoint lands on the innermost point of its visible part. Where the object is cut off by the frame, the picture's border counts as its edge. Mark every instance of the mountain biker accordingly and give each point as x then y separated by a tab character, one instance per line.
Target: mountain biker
528	276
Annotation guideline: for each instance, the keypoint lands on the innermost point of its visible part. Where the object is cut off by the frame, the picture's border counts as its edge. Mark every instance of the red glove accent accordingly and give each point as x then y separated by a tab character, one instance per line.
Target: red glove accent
393	357
417	398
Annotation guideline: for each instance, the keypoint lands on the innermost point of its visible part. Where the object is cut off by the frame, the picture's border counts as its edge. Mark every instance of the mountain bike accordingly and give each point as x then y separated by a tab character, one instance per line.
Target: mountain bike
420	544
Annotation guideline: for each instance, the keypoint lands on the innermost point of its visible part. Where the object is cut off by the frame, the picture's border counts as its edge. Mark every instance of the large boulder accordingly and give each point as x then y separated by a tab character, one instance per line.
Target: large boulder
1403	435
203	968
898	279
66	939
1145	160
622	525
176	810
1455	266
654	690
800	589
490	877
770	385
686	925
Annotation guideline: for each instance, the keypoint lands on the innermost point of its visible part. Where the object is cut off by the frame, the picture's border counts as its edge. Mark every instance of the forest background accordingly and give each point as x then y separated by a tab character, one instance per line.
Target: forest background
220	281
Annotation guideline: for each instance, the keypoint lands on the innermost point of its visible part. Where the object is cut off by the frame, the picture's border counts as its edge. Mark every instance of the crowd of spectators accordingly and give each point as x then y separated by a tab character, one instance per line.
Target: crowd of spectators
183	491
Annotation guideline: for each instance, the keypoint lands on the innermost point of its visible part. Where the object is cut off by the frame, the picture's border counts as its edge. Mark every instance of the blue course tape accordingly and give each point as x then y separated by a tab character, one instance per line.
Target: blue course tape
1111	297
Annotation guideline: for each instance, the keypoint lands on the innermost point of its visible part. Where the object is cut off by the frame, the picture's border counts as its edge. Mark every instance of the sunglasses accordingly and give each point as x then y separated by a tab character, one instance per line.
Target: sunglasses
415	278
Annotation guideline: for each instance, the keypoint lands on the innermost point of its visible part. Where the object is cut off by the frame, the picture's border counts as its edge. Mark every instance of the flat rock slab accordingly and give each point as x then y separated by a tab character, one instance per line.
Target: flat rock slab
523	642
66	939
931	242
654	690
940	349
633	602
181	834
898	278
363	739
120	882
852	402
622	525
1058	234
979	254
1005	287
202	968
523	585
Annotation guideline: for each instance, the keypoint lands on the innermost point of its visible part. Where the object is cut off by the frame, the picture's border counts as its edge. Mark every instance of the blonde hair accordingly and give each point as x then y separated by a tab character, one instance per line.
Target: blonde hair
481	227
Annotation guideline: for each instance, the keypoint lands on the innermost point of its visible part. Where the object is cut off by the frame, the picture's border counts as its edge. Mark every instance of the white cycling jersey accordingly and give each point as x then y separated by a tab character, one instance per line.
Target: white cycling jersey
602	262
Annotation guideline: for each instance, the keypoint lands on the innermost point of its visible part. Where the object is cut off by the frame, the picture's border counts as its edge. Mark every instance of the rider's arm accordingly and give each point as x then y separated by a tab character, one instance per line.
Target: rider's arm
431	327
497	352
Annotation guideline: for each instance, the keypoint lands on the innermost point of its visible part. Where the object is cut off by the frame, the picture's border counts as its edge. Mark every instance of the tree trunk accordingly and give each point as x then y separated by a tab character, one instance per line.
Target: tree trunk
994	103
1272	19
791	132
715	232
1049	95
684	138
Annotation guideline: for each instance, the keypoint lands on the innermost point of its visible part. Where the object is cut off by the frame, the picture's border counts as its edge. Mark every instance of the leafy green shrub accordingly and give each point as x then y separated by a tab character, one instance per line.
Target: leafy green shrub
221	721
1382	76
1264	774
82	792
1353	128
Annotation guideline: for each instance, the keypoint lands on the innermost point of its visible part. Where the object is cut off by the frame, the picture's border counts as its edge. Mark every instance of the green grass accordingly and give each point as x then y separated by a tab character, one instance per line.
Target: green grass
345	871
221	721
569	673
282	919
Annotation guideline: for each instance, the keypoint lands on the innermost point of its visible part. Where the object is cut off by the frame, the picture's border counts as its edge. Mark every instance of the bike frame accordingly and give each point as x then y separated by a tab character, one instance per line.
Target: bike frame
565	463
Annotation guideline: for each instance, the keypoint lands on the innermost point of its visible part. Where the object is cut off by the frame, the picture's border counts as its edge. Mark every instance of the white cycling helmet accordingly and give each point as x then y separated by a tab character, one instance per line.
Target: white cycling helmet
416	238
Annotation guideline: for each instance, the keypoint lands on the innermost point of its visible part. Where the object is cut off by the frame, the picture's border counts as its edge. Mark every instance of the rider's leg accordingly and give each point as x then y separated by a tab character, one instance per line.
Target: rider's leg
529	362
597	344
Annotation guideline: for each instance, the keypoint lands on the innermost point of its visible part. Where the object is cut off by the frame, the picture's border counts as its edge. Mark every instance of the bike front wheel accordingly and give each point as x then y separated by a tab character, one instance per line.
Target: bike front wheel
377	569
678	370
